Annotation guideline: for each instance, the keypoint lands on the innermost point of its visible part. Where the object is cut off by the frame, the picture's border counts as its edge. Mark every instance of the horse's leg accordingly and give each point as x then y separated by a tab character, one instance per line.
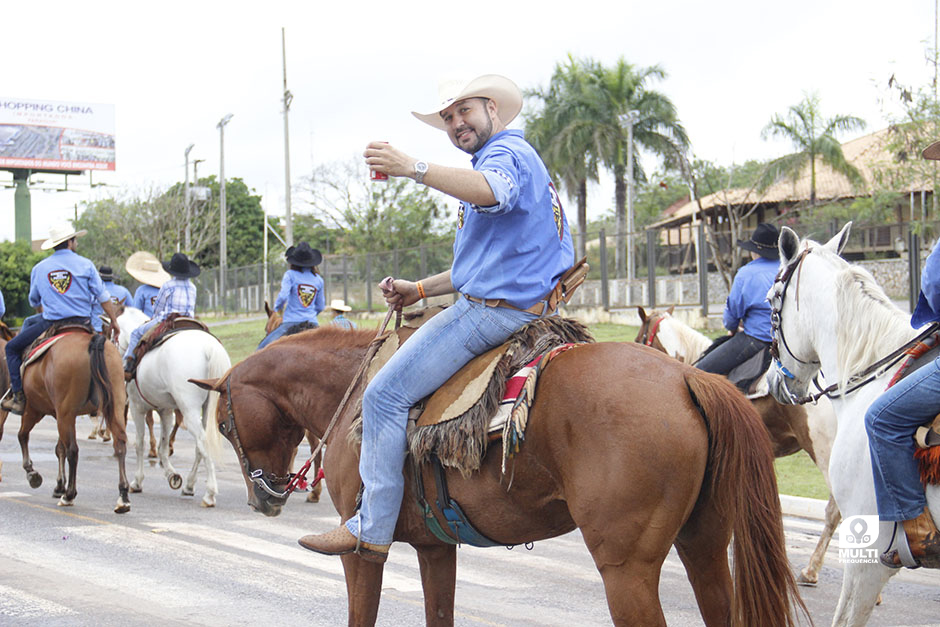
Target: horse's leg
94	426
3	419
193	421
438	579
103	428
141	422
59	488
176	426
861	588
65	422
119	445
153	439
173	477
702	545
363	589
314	495
810	574
28	421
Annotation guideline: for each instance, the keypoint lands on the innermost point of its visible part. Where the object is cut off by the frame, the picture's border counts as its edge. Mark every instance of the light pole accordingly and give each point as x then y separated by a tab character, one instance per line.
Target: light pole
628	119
186	199
223	234
288	97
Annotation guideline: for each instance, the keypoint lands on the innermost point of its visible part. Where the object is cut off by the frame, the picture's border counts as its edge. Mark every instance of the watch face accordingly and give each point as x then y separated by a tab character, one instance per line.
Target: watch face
421	166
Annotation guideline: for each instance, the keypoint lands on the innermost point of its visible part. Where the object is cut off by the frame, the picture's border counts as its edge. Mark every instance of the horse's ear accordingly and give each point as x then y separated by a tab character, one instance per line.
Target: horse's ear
789	245
671	309
267	309
837	243
641	312
207	384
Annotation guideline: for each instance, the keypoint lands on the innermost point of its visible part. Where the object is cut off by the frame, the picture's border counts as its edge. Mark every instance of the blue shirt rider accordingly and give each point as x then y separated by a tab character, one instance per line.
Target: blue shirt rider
338	307
61	287
747	311
119	295
301	296
511	248
147	269
891	421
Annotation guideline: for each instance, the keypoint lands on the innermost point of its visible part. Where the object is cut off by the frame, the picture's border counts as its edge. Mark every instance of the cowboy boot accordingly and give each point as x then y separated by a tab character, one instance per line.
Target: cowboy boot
341	541
923	538
14	402
130	365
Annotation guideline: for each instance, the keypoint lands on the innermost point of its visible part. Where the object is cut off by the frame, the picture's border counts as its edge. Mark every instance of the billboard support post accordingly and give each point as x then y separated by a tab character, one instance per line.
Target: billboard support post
22	204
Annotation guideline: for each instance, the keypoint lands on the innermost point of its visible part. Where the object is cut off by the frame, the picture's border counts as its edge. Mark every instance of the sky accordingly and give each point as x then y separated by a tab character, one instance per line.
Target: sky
357	69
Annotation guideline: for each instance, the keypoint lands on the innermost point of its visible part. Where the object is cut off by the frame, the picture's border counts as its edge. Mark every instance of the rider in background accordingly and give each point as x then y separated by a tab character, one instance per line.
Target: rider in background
119	295
301	296
61	288
338	307
178	295
891	422
747	305
146	268
511	247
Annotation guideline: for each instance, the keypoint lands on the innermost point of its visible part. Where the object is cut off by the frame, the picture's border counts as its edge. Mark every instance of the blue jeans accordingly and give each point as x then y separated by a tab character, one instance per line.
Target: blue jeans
278	332
441	347
891	422
138	333
32	328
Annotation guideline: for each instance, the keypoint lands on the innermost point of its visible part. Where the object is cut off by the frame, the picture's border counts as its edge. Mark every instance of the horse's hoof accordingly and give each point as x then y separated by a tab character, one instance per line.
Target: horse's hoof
64	502
34	478
152	454
175	481
805	579
92	435
122	508
106	438
58	492
135	488
205	504
313	497
878	600
188	492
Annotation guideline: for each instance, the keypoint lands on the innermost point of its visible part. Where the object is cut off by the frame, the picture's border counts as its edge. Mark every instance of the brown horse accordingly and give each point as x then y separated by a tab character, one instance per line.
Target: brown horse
638	451
4	380
791	428
79	374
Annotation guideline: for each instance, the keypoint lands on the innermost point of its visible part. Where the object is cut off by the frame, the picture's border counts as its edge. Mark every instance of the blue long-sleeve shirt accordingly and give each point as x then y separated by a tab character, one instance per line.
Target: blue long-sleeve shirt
301	296
747	304
928	303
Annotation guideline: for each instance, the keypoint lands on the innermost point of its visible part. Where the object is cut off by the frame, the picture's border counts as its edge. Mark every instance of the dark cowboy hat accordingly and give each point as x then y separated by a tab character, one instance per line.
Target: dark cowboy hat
763	241
932	151
304	256
106	273
181	267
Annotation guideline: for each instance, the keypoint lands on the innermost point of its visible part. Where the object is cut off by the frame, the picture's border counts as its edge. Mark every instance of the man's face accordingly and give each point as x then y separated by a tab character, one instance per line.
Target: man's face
469	123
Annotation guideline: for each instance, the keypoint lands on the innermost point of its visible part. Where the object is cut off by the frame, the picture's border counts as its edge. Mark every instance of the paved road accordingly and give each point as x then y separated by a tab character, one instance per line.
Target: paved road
171	562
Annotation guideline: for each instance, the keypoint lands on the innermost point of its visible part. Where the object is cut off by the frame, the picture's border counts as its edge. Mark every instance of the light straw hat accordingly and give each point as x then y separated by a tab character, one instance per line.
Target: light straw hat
61	233
932	151
505	93
339	305
146	268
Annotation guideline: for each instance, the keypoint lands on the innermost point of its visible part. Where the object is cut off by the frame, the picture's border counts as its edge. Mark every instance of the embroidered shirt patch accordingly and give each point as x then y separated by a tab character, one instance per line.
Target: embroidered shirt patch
558	212
306	293
60	280
460	216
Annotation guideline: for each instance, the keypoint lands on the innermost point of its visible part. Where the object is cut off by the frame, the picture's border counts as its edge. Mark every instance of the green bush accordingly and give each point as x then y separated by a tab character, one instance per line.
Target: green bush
16	262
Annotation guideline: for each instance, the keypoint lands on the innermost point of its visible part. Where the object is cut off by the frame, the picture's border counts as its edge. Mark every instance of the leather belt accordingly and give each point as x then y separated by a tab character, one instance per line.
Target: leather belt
535	309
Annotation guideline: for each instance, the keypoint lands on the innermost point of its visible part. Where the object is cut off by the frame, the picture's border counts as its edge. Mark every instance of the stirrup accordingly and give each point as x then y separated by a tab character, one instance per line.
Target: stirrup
901	549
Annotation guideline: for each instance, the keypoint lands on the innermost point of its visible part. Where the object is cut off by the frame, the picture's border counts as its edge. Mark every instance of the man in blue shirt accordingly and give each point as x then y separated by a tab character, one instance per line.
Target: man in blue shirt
62	288
178	295
119	295
511	248
891	421
3	307
747	307
301	296
339	307
146	268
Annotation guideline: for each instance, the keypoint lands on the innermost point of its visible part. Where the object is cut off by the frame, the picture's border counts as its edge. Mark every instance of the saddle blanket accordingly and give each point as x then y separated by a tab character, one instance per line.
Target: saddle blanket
41	348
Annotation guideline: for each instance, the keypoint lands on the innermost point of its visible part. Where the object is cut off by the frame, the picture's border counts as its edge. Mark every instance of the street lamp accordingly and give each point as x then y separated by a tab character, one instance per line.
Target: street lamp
186	199
223	249
628	119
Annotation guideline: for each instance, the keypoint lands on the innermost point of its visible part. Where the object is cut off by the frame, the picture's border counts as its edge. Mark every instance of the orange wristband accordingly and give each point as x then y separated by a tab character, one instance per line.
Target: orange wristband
420	290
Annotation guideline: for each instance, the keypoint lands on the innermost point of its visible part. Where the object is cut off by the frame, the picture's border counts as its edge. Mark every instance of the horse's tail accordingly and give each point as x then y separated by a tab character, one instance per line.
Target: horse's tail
740	482
100	381
218	363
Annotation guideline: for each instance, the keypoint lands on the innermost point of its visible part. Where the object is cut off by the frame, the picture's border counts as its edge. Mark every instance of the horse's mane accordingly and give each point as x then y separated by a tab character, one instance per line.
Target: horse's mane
690	344
869	325
330	337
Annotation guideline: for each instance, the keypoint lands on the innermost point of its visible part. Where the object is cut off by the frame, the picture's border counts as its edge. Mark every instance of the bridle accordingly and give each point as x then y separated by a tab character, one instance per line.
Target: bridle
267	481
651	331
776	307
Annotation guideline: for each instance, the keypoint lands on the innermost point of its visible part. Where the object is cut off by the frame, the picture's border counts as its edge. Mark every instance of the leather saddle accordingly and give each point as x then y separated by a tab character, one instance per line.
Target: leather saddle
163	331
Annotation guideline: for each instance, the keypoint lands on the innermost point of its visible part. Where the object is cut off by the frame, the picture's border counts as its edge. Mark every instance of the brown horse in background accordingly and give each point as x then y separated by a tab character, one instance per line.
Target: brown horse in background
79	374
609	421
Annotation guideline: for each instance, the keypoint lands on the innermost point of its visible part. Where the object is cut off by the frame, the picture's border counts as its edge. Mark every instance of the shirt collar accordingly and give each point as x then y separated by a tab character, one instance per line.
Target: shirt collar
479	154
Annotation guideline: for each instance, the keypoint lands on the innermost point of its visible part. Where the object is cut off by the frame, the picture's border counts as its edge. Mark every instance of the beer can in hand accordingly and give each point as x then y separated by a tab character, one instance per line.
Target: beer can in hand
378	176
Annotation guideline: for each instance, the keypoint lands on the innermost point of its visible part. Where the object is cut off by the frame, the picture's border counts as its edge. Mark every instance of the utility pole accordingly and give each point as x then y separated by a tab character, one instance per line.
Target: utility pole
629	119
186	200
288	97
223	234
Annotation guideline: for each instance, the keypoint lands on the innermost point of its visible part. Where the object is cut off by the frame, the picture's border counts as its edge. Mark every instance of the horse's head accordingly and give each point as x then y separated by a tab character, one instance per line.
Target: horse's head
274	318
806	274
263	439
129	319
650	324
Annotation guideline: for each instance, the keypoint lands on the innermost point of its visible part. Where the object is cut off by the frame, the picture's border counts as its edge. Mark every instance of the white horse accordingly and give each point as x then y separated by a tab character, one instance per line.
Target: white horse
811	428
162	384
835	318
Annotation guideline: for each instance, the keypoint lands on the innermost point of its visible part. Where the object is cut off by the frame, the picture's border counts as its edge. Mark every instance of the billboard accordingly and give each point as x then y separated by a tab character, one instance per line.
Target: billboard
52	135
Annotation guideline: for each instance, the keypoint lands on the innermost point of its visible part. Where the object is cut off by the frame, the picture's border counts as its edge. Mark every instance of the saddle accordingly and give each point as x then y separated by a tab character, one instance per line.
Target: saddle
164	330
50	336
749	374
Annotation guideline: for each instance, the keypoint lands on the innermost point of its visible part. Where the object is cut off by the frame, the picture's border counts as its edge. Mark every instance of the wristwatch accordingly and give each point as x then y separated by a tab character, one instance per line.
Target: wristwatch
421	168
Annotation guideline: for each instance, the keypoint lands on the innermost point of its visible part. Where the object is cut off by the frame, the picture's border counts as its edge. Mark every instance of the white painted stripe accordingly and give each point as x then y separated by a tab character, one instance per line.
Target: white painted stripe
12	494
17	604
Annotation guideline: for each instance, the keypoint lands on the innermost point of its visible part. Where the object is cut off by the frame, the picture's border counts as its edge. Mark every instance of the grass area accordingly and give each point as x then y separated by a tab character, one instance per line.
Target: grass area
797	475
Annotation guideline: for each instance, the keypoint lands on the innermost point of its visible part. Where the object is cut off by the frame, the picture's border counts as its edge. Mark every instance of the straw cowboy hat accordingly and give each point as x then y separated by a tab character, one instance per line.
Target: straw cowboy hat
339	305
106	273
932	151
181	267
61	233
146	268
505	93
763	241
304	256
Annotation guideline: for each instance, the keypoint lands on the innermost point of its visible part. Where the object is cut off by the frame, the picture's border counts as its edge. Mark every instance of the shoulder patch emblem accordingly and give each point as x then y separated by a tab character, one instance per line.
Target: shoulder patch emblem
460	216
61	280
558	212
306	293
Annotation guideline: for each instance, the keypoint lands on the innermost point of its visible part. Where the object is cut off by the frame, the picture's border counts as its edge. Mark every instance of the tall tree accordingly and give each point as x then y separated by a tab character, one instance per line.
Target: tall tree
813	136
561	132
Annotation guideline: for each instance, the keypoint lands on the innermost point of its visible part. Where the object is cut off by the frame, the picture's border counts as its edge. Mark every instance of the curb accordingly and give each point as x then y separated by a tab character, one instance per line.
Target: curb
803	507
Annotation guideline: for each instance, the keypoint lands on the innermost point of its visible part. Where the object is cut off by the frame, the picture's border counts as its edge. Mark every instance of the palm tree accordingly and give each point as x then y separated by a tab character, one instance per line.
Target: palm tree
813	137
565	145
